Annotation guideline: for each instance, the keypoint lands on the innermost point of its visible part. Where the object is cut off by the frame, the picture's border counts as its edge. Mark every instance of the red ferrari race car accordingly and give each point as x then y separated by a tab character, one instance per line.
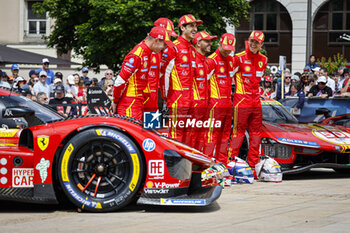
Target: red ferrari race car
300	147
100	163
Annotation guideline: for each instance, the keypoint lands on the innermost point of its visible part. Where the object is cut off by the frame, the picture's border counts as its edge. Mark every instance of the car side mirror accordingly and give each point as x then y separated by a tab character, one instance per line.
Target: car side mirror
16	112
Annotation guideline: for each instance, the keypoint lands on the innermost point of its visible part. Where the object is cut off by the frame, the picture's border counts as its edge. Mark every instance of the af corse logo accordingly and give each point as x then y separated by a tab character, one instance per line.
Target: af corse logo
156	167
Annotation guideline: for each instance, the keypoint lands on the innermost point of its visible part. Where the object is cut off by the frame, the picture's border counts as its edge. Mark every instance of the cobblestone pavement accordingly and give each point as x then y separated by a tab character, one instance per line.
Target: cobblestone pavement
317	201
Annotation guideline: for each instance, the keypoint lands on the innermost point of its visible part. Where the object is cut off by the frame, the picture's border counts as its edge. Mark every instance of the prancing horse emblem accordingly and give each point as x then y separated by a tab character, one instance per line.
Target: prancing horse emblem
43	142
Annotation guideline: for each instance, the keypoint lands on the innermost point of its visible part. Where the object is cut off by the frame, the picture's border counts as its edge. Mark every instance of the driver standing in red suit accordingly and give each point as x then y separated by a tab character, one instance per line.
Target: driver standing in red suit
221	65
132	79
202	43
247	113
178	70
151	92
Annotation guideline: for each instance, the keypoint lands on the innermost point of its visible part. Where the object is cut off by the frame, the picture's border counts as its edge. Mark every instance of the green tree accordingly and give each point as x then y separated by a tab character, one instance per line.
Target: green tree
104	31
332	64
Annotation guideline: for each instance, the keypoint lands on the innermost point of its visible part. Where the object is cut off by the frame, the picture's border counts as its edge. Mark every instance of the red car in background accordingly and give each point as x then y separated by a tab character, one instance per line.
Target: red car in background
99	163
300	147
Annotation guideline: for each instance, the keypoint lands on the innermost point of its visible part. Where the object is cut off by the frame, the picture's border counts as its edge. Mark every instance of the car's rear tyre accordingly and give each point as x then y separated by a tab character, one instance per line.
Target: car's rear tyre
100	170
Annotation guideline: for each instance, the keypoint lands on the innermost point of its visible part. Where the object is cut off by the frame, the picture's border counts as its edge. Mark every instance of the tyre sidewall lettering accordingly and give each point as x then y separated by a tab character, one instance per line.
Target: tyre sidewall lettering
84	199
130	148
65	161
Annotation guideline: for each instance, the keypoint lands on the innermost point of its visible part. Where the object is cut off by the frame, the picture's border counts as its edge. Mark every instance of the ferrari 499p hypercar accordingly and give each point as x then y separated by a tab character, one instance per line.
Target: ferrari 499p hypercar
300	147
100	163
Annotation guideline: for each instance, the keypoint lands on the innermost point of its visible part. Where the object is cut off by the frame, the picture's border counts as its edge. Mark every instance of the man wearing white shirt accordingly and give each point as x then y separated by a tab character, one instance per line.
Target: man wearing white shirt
330	81
42	86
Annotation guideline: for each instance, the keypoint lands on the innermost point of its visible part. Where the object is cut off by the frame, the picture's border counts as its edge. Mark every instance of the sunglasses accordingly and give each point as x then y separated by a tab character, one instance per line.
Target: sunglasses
46	63
42	76
110	85
288	77
109	73
36	80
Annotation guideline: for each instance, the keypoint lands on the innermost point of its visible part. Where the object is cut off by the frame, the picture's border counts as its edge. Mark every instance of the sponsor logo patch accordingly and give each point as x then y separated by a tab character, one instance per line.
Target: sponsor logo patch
298	142
148	145
182	201
166	185
130	65
42	167
259	74
22	177
156	191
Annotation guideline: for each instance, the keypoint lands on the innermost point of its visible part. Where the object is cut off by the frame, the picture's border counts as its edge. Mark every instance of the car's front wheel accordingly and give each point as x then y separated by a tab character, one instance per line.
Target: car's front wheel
100	170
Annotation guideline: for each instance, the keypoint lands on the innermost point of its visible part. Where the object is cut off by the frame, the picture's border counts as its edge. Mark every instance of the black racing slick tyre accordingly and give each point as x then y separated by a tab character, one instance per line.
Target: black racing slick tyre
100	170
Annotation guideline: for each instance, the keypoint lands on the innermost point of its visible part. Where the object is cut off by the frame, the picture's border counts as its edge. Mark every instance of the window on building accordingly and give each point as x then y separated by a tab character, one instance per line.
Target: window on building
36	23
334	19
271	18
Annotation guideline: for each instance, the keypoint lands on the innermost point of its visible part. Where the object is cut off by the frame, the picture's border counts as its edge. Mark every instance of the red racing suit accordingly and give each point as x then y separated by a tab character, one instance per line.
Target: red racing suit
247	113
220	105
177	69
131	82
200	101
151	92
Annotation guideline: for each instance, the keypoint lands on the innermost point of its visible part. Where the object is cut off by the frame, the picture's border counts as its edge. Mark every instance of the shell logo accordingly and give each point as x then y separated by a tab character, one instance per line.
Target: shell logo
149	184
184	58
247	68
201	72
222	69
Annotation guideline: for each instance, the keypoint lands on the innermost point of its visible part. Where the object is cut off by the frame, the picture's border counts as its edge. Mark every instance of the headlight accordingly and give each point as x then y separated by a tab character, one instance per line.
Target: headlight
273	149
178	166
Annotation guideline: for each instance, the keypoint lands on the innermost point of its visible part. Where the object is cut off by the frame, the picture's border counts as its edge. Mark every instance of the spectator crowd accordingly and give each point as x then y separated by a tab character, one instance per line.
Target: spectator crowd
314	81
47	87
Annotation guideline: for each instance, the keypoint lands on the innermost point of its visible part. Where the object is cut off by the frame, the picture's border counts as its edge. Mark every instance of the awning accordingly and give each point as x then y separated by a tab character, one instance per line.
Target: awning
16	56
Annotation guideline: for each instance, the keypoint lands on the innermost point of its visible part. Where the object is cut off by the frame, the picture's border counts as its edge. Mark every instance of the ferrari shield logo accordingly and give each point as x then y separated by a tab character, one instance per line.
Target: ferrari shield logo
43	142
260	64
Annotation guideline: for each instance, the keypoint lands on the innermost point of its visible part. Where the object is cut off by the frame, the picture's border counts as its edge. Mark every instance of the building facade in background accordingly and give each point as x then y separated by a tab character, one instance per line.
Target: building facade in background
298	28
293	28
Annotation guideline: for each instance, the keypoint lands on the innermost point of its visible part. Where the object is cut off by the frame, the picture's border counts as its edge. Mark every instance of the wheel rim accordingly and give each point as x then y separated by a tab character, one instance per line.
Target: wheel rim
101	169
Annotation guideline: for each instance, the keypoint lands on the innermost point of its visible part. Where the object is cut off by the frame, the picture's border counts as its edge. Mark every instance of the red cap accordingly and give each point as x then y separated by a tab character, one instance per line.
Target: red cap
228	41
203	35
167	24
189	19
267	78
162	34
257	35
